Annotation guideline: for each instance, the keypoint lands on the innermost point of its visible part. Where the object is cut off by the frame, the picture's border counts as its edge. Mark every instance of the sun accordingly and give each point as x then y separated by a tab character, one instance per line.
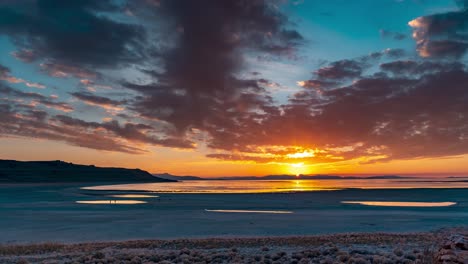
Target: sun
297	168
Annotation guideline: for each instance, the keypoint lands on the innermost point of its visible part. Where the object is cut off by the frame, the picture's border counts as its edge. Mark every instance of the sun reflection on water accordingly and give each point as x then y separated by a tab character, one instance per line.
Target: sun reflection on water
270	186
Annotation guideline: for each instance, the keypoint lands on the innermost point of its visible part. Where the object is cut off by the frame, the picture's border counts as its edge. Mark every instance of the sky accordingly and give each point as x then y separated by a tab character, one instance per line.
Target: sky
238	87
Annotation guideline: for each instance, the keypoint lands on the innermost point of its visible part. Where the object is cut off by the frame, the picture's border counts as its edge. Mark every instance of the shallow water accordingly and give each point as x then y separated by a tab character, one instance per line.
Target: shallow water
267	186
133	196
249	211
50	212
110	202
401	204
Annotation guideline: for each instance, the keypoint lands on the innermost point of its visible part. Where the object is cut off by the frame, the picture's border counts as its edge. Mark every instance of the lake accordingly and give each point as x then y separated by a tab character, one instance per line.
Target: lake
81	212
274	186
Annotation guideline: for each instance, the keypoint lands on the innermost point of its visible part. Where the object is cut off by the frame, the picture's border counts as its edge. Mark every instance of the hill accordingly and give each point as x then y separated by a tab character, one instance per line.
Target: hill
12	171
178	178
280	177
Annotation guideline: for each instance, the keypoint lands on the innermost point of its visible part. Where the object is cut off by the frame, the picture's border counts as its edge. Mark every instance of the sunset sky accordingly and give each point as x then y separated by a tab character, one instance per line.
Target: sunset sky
241	87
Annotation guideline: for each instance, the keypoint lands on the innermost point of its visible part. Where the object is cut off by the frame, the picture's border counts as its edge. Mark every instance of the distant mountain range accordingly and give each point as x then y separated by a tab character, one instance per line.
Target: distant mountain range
278	177
12	171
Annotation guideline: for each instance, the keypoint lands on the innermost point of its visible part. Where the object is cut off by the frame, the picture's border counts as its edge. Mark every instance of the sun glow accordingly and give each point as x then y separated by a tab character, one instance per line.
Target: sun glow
304	154
297	168
297	165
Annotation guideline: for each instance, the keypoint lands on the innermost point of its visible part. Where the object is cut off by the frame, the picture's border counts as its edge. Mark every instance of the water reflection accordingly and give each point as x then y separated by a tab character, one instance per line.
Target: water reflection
133	196
219	186
401	204
110	202
271	186
250	211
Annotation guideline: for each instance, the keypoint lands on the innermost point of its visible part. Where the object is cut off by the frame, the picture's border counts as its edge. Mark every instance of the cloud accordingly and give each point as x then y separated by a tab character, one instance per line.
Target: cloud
19	121
411	67
316	84
394	53
64	71
441	35
131	132
5	75
200	83
100	101
191	59
35	98
25	55
70	32
23	120
392	35
169	41
417	112
341	70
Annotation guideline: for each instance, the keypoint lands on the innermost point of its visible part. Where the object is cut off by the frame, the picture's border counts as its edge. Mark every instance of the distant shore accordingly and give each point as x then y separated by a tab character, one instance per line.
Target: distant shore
340	248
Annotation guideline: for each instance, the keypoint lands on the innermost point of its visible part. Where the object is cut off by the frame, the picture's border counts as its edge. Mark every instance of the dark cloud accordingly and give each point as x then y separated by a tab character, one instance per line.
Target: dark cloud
392	35
341	70
199	82
410	67
24	120
192	56
17	122
442	35
4	71
417	112
387	53
317	84
336	73
443	48
34	98
26	55
140	133
64	71
103	102
71	32
394	53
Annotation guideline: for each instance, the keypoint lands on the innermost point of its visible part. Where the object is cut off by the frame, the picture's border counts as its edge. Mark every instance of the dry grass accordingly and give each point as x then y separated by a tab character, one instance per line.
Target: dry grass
378	248
30	249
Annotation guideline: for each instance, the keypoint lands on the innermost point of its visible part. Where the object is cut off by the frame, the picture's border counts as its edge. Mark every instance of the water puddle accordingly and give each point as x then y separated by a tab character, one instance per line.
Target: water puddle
401	204
110	202
133	196
250	211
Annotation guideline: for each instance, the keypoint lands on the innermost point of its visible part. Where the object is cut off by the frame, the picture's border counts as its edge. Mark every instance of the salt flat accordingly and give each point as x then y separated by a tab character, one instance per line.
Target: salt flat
31	213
